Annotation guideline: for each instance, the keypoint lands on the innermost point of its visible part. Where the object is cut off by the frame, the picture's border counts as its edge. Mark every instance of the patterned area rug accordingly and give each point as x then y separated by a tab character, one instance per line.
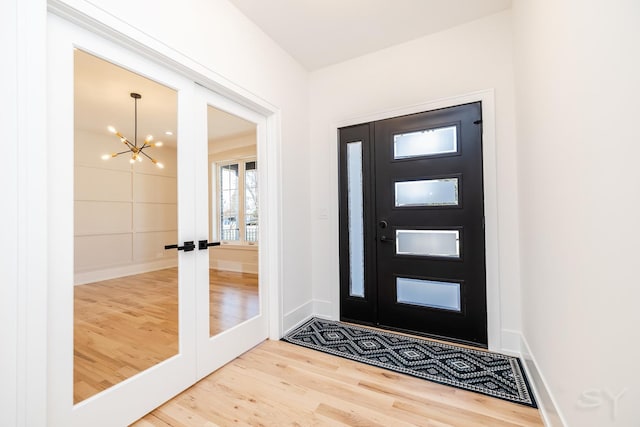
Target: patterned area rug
488	373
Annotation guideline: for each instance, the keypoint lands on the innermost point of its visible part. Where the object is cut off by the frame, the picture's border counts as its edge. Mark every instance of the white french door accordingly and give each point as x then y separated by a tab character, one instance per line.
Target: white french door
217	347
198	352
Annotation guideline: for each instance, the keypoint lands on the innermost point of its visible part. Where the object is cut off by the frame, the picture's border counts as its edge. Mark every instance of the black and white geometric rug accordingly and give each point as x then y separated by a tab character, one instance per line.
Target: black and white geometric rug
488	373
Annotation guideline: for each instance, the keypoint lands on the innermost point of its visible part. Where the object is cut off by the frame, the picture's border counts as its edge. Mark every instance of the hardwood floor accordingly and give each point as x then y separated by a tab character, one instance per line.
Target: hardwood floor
233	299
126	325
280	384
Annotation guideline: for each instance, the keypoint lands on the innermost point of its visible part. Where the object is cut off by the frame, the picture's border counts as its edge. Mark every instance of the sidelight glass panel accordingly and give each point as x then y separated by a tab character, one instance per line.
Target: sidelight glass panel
428	293
441	243
427	142
430	192
355	213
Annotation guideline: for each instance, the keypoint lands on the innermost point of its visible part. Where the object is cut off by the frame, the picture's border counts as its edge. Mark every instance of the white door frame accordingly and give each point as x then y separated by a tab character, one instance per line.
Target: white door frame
99	23
489	165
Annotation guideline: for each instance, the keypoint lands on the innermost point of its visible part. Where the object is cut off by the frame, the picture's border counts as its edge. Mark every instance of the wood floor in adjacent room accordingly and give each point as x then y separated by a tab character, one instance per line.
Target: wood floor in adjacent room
126	325
281	384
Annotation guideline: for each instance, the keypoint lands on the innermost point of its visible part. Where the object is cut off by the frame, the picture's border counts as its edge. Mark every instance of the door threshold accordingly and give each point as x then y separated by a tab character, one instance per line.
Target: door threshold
416	334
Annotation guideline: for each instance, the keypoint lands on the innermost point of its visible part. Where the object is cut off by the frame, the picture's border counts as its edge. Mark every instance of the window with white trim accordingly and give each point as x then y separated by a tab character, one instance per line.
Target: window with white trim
236	183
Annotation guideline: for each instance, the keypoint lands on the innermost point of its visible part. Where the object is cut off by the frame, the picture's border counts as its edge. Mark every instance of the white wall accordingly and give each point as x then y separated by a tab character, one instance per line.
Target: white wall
123	214
577	74
216	35
465	59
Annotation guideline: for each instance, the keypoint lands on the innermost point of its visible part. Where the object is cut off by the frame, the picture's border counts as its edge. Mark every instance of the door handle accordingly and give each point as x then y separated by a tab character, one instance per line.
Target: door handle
385	239
203	244
188	246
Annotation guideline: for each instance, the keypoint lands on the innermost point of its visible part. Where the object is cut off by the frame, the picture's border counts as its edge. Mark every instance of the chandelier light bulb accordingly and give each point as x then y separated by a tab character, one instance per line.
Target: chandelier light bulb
106	156
133	148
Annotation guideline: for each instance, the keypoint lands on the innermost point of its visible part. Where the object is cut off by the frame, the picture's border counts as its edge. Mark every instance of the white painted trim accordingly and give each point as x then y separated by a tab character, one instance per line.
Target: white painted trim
83	278
547	404
494	310
297	316
511	342
24	187
322	308
10	304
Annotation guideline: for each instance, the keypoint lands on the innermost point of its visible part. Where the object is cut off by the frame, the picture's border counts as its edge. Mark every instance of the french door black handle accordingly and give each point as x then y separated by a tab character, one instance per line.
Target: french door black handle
203	244
188	246
385	239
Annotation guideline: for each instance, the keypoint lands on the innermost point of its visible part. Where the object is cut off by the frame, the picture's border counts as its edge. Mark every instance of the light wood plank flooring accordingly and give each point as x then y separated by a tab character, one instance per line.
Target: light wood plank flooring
280	384
126	325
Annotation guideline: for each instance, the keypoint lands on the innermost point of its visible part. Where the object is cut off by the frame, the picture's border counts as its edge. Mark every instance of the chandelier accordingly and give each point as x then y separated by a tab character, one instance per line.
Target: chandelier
137	152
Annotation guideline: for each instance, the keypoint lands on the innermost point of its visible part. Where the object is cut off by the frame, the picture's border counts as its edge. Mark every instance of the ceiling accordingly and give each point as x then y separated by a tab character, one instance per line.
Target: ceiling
315	32
318	33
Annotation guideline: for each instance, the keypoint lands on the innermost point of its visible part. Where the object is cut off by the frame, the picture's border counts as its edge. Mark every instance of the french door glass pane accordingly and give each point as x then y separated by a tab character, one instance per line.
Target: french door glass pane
427	142
355	213
428	293
233	201
125	211
430	192
440	243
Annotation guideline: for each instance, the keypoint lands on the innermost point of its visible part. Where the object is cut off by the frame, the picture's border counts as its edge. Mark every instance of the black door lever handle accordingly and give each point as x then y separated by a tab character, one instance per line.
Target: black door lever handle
385	239
188	246
202	244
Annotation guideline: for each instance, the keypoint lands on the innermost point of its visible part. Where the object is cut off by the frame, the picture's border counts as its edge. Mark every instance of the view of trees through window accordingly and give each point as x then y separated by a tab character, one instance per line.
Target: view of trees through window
239	201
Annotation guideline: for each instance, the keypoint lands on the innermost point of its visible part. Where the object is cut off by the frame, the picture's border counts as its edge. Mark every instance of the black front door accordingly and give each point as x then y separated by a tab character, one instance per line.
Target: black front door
412	224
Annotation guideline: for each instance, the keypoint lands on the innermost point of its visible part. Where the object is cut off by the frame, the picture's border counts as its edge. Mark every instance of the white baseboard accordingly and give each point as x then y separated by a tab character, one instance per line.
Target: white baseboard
510	342
323	309
234	266
82	278
546	403
297	316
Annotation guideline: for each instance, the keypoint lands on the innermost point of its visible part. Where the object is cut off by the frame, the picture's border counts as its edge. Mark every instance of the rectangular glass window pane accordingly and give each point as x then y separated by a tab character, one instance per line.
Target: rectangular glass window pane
355	213
251	202
428	293
229	202
441	243
428	142
430	192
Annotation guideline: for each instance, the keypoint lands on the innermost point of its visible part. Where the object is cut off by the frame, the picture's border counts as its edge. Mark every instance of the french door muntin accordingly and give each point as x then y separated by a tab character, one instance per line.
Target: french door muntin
198	354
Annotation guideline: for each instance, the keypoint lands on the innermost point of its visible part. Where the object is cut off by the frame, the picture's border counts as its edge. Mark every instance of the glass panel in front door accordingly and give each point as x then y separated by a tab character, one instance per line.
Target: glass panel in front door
355	214
233	220
435	243
125	206
428	293
425	142
430	192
